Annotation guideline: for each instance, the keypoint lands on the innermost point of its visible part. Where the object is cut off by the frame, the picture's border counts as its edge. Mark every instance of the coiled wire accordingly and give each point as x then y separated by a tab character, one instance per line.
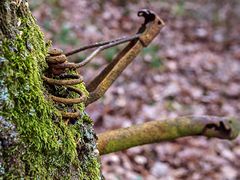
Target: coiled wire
58	78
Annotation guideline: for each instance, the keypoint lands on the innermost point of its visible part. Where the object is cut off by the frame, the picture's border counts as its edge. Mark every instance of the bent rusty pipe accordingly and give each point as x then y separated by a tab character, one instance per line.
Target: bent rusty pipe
148	31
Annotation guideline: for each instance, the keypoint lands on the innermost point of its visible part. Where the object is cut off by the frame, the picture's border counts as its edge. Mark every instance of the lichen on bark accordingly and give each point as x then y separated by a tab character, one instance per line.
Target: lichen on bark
34	141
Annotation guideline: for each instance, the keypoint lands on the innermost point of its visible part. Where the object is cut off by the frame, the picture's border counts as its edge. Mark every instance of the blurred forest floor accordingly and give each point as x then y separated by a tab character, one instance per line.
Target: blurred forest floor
192	68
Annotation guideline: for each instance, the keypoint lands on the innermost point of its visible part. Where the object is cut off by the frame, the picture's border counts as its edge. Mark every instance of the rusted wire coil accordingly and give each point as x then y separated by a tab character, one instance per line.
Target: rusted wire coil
58	65
58	77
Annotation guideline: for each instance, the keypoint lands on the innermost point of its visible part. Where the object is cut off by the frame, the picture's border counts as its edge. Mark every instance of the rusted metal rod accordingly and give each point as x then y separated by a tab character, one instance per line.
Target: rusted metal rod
98	44
147	32
59	74
169	129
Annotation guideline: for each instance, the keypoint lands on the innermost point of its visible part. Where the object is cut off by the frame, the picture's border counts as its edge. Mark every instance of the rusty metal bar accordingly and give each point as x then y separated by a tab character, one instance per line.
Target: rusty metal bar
148	31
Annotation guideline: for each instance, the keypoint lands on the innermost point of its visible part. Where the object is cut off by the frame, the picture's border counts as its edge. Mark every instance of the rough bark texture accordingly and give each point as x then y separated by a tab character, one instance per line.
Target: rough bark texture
34	141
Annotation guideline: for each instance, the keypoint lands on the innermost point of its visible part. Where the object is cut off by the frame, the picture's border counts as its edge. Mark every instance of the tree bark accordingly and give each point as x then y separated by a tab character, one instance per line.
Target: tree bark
34	141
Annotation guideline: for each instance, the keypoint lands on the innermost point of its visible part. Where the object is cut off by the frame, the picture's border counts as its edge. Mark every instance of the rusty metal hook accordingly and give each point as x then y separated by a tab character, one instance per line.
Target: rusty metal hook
147	32
58	64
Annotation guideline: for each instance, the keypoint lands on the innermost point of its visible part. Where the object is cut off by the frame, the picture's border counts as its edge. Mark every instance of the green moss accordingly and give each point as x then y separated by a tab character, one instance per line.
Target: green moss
39	145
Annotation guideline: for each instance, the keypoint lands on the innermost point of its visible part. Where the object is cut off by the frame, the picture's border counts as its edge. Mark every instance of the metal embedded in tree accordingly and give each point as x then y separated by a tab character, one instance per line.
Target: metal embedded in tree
60	77
59	66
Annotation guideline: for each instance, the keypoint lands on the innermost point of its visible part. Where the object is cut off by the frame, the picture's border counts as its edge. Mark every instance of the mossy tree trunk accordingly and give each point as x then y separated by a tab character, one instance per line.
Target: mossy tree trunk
34	141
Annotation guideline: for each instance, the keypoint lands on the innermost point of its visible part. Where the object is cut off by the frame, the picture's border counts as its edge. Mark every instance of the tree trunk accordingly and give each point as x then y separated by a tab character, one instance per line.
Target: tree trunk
35	143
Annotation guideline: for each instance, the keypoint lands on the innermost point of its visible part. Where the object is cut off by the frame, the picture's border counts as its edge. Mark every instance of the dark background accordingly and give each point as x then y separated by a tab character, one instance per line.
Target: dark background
191	68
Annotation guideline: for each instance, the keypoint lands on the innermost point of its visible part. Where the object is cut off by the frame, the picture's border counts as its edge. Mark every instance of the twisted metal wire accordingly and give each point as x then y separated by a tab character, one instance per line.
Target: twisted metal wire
59	77
58	64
